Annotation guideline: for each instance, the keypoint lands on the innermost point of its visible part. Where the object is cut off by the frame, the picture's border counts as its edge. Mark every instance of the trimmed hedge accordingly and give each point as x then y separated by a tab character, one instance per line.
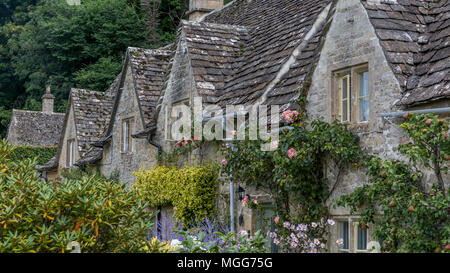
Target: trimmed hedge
42	154
192	191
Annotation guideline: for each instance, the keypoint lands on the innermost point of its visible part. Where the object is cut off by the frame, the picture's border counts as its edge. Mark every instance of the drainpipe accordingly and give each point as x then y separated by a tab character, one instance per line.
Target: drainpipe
150	140
232	224
425	111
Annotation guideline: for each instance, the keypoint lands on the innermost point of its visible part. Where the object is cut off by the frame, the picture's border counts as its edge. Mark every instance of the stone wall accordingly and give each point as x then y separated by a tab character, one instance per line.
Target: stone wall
142	154
69	134
351	41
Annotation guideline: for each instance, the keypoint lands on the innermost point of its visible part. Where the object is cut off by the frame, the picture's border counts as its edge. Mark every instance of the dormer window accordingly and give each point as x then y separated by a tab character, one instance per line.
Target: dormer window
352	95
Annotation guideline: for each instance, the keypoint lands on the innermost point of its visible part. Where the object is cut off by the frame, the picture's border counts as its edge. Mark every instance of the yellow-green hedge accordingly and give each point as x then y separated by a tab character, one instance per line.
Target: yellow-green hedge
192	191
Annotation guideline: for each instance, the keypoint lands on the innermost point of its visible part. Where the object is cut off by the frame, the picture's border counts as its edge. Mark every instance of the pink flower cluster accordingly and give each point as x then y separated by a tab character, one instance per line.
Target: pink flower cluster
290	116
292	153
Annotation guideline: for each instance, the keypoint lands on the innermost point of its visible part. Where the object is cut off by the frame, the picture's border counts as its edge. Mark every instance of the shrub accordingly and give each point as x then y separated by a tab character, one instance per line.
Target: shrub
230	242
40	217
192	191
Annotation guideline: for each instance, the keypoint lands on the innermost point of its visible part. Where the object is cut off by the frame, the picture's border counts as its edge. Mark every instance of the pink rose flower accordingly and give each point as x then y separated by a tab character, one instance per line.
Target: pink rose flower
195	138
224	162
292	153
276	220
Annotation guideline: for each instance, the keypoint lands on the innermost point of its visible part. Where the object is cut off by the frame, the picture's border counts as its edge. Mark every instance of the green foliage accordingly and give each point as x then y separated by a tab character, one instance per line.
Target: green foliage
41	154
192	190
157	246
231	242
295	179
100	215
409	217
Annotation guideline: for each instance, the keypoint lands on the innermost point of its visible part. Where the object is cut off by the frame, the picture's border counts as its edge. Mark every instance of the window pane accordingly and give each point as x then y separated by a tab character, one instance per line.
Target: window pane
344	110
344	88
362	238
364	84
364	109
343	227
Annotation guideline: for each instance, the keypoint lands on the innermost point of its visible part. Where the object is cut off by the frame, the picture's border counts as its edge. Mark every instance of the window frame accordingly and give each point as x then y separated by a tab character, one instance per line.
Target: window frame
353	226
353	94
127	137
70	153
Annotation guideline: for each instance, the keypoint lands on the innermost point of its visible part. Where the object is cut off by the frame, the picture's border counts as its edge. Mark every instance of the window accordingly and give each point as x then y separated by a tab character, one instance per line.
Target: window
355	237
361	238
346	106
70	153
344	235
363	98
126	136
352	95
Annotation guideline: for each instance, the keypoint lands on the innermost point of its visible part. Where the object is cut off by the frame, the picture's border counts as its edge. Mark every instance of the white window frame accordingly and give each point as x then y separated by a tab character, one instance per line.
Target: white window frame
127	140
70	153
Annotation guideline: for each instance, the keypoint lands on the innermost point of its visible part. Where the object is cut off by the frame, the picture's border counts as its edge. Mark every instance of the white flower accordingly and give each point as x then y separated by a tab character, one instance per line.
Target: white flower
313	224
316	241
331	222
340	241
274	145
322	245
175	243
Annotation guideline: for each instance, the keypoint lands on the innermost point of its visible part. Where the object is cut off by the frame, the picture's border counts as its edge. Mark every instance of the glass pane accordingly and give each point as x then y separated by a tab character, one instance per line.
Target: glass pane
364	84
344	110
364	109
362	238
344	88
343	227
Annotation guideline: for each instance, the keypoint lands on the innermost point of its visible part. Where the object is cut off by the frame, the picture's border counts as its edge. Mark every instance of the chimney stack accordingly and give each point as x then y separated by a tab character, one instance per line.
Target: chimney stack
48	100
198	8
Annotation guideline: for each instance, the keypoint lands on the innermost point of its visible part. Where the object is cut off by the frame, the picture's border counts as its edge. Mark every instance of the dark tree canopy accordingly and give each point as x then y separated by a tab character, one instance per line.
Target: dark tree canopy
81	46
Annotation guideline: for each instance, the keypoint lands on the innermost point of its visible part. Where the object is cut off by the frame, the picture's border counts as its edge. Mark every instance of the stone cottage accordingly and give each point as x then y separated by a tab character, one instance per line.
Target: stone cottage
359	61
87	114
36	128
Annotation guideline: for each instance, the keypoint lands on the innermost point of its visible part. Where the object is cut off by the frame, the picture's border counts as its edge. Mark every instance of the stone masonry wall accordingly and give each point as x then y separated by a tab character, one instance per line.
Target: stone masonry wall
143	155
352	41
69	134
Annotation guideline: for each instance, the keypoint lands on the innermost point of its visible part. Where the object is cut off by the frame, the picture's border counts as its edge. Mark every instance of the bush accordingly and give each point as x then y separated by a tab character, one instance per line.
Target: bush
230	242
40	217
192	191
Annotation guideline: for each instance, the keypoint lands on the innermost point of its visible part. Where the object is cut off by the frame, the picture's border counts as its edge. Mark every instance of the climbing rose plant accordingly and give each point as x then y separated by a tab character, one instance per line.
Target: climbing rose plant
408	214
293	174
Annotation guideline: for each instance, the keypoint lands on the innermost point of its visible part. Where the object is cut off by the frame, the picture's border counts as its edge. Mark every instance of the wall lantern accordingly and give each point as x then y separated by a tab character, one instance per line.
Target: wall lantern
240	192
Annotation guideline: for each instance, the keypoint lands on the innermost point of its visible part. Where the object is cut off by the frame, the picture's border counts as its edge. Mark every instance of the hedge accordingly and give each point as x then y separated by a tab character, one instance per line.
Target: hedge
192	191
42	154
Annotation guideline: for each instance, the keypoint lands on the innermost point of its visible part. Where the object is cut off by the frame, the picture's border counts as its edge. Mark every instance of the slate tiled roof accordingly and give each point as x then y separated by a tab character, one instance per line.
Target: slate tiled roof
149	68
215	53
416	38
276	28
92	111
33	128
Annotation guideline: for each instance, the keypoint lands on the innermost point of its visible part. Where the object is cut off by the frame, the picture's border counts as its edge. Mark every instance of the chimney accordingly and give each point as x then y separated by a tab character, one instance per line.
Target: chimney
198	8
47	100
